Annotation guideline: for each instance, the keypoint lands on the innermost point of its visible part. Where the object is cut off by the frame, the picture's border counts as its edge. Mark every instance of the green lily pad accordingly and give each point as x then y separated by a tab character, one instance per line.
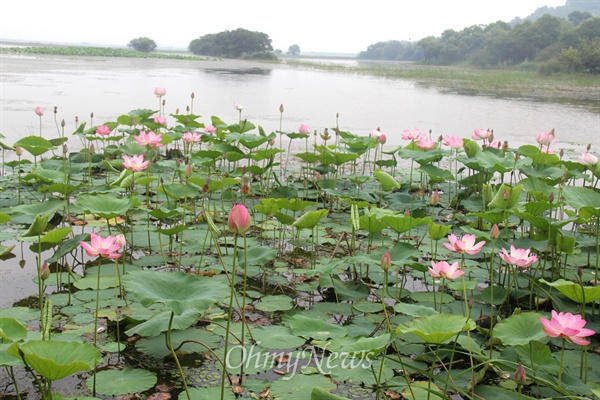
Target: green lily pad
437	329
322	394
178	291
274	303
156	346
519	329
299	387
315	329
118	382
12	330
209	393
276	337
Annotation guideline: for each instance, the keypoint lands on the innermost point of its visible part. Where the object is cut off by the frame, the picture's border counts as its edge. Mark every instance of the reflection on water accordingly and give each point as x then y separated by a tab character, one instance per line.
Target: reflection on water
109	87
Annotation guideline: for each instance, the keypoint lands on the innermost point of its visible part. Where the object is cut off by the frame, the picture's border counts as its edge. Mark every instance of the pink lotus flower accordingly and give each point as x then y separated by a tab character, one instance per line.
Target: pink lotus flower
518	257
239	219
545	138
375	133
150	139
495	144
160	120
238	107
454	142
135	163
190	137
547	150
481	134
382	138
386	261
160	91
567	326
426	143
464	245
304	129
210	129
587	159
103	130
103	247
39	111
444	270
414	136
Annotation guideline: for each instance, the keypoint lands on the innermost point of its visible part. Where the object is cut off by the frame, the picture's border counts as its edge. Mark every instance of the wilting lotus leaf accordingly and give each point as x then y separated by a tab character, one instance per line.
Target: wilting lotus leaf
178	291
4	251
299	387
519	329
438	328
574	291
55	359
117	382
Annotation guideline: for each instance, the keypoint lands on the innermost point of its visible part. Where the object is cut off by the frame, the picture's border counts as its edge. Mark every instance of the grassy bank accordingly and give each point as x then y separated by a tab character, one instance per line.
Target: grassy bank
501	82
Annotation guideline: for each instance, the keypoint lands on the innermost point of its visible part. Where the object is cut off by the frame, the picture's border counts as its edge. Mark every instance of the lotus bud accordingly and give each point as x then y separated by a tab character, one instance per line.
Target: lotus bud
382	138
245	189
589	147
318	177
407	212
55	109
177	162
551	197
305	182
281	108
65	149
435	198
244	169
487	194
63	123
224	155
561	153
471	302
579	272
386	261
505	145
18	151
440	138
76	120
520	375
192	95
337	115
271	142
92	148
505	194
22	263
495	232
91	115
39	111
45	271
188	171
160	91
239	219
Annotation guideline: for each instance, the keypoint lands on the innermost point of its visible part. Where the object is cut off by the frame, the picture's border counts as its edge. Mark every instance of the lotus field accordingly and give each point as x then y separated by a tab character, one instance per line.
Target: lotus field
179	256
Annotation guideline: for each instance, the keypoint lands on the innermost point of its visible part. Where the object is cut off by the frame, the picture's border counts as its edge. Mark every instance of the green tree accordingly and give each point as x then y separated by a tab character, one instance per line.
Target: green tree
294	50
232	44
577	17
143	44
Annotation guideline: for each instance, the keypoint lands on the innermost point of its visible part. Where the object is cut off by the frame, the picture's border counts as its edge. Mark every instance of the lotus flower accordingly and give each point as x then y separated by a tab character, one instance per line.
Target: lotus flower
567	326
382	138
464	245
545	138
587	159
444	270
160	91
426	143
239	219
160	120
454	142
238	107
304	129
518	257
386	261
150	139
135	163
481	134
103	130
103	247
39	111
415	135
190	137
210	129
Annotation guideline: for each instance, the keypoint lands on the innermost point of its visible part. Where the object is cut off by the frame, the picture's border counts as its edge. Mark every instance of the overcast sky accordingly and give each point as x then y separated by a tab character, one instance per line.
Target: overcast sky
343	26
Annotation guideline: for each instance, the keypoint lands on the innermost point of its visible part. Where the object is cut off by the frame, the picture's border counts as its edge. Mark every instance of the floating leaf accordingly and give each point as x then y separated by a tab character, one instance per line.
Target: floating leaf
438	328
319	393
118	382
299	387
276	337
274	303
315	328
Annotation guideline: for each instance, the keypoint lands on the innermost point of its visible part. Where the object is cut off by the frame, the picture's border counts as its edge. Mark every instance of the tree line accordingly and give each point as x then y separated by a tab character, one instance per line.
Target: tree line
571	44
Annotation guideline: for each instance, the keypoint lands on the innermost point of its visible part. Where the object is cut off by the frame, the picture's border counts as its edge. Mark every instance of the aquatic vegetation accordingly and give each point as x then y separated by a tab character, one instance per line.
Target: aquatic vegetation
183	255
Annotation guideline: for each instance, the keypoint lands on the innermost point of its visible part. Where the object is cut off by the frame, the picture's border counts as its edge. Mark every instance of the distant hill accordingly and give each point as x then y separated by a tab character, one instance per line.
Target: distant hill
591	6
